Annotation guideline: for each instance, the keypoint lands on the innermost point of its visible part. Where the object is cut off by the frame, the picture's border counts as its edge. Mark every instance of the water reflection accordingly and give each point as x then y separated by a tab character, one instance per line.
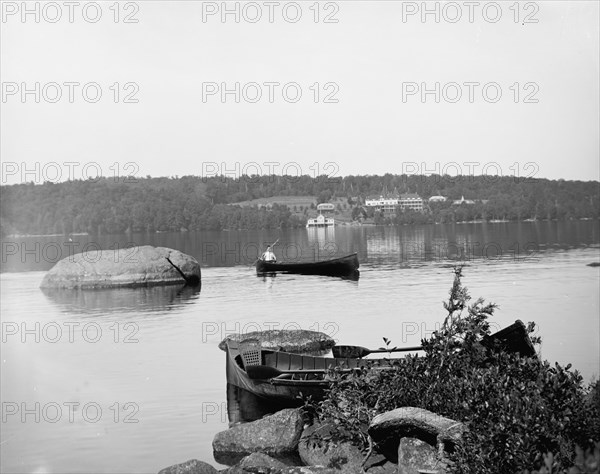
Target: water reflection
125	300
320	235
377	245
244	406
269	277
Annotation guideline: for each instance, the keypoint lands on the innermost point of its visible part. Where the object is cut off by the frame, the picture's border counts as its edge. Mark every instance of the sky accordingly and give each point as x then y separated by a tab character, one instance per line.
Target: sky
157	88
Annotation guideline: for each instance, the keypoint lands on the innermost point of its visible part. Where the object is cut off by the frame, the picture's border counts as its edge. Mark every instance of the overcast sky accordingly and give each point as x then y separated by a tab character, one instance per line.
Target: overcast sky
371	61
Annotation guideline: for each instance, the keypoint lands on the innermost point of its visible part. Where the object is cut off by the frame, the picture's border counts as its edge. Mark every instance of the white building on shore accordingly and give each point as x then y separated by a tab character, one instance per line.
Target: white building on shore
391	202
438	199
321	220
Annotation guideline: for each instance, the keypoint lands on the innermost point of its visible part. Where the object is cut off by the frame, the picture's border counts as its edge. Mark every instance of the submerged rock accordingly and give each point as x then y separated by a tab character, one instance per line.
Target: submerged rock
297	341
193	466
126	267
275	435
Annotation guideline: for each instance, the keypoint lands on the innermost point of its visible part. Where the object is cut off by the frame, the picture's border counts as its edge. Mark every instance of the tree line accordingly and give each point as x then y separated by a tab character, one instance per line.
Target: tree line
148	204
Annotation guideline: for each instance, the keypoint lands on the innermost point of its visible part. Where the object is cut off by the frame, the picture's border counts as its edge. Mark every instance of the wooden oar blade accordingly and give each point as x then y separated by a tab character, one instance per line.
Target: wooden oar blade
350	352
356	352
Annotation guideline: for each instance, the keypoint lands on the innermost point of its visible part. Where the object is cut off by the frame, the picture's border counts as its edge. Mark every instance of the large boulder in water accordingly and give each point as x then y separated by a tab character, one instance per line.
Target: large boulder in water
297	341
126	267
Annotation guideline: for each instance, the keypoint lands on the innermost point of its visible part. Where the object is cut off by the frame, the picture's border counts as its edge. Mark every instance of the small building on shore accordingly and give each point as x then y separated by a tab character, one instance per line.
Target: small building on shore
321	220
437	199
462	200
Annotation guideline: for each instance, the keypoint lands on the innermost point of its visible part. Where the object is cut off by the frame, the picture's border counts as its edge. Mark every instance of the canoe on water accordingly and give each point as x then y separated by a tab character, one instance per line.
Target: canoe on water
333	267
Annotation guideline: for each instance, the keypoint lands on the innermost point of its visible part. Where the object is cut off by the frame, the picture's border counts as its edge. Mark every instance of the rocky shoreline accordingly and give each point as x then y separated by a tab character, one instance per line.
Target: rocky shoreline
410	441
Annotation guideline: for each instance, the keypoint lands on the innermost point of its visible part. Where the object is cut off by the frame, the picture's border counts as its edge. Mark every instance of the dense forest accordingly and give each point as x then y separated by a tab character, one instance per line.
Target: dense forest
106	205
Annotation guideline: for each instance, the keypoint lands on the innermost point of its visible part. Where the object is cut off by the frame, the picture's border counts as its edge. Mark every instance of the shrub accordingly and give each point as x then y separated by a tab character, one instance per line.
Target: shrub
517	409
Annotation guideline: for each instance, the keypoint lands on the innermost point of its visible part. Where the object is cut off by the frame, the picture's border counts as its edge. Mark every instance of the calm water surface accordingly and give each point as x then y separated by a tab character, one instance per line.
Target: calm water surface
151	391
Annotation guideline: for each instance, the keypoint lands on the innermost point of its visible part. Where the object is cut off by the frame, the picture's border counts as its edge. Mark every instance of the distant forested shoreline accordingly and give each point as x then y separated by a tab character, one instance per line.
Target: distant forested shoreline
111	206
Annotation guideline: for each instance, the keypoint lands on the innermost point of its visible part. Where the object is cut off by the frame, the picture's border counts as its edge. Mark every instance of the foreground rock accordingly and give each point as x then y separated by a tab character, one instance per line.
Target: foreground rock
276	435
316	447
193	466
416	456
258	463
388	428
298	341
128	267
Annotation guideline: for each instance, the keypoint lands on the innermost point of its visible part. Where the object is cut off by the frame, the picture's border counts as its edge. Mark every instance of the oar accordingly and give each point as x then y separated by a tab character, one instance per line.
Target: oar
354	352
268	372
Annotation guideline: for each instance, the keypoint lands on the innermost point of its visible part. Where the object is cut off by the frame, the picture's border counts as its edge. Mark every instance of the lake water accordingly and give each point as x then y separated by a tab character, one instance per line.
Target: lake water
133	381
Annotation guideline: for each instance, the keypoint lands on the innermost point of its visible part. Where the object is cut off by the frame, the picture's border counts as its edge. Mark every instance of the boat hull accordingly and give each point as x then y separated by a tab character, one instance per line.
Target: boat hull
334	267
288	392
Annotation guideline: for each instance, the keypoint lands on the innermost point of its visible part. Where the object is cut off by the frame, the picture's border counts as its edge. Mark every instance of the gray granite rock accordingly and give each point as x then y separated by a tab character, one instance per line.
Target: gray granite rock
274	435
417	423
193	466
257	463
309	470
314	450
125	267
417	457
297	341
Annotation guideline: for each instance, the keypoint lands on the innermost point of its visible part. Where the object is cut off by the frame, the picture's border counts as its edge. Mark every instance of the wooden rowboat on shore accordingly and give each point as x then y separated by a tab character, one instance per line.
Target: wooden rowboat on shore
288	378
341	266
282	376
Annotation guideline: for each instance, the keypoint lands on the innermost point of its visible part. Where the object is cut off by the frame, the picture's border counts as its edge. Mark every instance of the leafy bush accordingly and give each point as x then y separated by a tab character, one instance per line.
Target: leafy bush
517	408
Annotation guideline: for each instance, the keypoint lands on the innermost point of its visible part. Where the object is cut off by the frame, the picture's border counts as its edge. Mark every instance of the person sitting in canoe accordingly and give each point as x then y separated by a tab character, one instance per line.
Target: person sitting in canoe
268	256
